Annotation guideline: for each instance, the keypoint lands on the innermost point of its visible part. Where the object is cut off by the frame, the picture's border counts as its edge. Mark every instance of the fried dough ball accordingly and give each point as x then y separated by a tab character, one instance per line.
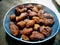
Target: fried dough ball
30	23
29	6
12	17
36	19
48	16
35	9
45	30
36	36
39	6
48	22
27	30
21	8
24	37
26	20
14	29
22	16
36	26
21	24
17	11
40	13
32	13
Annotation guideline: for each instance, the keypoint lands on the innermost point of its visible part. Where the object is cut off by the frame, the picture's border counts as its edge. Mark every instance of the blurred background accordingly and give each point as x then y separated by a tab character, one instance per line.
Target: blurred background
5	5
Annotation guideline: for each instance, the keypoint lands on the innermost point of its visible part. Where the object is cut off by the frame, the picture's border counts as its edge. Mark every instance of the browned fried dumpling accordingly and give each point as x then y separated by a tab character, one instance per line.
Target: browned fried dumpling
48	22
14	29
29	6
35	9
45	30
36	26
22	16
36	19
24	37
12	17
27	30
30	23
36	36
48	16
40	13
21	23
32	13
39	6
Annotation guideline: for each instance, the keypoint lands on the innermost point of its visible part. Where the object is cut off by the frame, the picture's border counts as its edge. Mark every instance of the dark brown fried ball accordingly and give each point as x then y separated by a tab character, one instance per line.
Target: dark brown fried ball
17	11
48	16
40	13
27	30
36	36
24	37
36	19
30	23
48	22
36	26
45	30
22	16
21	23
35	9
12	17
32	13
14	29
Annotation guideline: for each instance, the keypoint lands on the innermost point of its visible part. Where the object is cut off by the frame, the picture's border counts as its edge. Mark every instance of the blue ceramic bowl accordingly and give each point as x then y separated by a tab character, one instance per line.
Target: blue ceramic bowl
55	27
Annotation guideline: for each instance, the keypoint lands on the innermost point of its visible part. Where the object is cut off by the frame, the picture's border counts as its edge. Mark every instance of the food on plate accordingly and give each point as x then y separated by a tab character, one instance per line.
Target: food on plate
21	23
22	16
36	26
31	23
14	29
36	36
24	37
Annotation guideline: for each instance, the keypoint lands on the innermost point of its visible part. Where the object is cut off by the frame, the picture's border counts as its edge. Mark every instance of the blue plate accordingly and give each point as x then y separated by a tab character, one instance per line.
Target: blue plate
55	27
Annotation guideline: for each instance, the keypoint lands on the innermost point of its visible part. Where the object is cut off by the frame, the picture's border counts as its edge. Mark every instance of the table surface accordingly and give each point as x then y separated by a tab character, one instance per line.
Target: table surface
5	5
